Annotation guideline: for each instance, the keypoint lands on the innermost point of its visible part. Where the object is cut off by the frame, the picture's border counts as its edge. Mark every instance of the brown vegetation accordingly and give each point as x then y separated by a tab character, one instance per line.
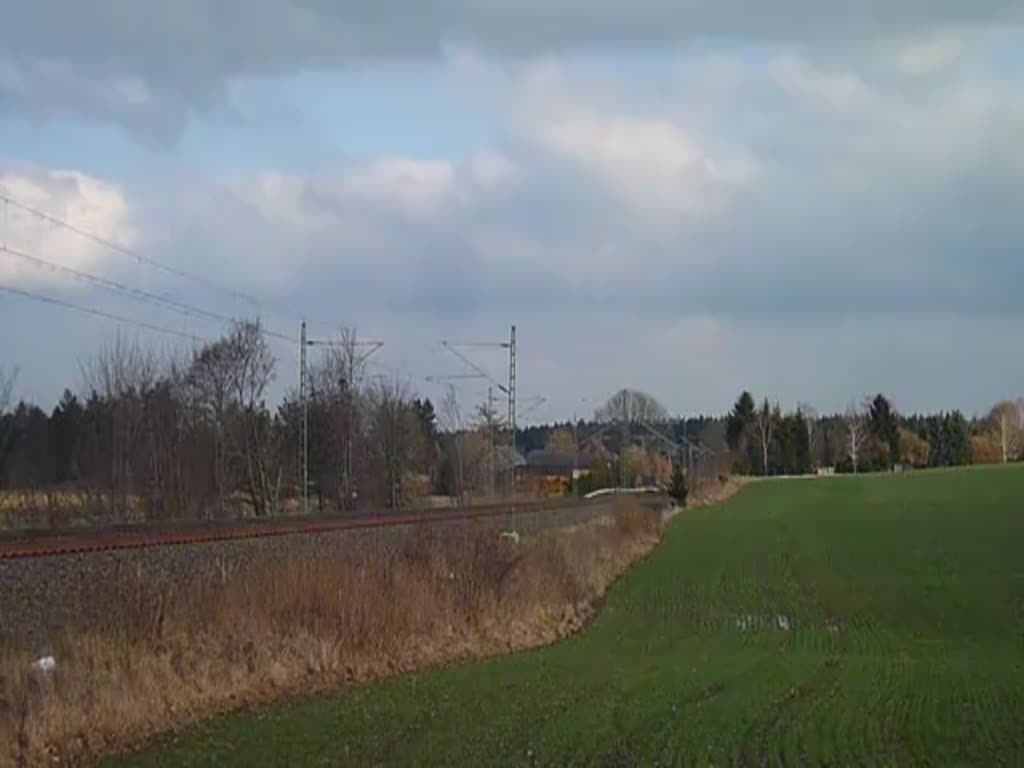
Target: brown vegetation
716	490
914	449
1001	436
985	449
164	658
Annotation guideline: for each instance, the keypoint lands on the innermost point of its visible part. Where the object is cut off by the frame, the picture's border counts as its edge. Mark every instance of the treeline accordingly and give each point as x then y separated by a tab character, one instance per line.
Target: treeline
193	437
871	436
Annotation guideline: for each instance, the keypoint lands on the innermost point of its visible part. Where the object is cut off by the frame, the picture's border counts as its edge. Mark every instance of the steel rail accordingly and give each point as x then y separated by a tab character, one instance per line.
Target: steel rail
17	545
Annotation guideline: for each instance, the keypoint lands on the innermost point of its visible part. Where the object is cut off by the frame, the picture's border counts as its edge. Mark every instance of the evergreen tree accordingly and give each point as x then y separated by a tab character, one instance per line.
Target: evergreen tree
738	432
679	490
802	448
65	431
427	417
883	424
791	448
740	419
948	437
827	457
958	439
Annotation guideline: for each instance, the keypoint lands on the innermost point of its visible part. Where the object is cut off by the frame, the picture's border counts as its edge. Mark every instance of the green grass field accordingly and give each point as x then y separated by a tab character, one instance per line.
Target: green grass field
904	598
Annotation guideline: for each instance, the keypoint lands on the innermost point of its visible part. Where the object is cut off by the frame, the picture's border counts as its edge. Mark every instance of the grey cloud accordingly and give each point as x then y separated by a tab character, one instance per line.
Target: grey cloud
54	89
893	205
76	58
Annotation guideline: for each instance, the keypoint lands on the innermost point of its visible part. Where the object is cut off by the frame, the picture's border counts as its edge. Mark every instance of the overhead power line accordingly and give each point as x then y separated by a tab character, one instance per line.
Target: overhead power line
149	261
135	293
479	371
510	390
99	313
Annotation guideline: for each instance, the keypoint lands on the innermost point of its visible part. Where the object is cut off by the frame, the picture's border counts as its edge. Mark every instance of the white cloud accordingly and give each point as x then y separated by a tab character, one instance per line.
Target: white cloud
491	169
415	187
95	205
588	125
837	91
928	57
650	163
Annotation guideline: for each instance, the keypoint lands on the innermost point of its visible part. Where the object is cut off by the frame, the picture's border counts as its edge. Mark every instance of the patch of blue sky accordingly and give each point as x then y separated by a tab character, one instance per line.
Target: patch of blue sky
299	123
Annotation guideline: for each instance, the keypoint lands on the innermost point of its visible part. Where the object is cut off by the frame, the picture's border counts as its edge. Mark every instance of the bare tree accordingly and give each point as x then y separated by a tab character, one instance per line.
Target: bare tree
473	458
856	432
489	423
253	373
338	382
451	422
173	488
394	440
227	381
208	382
1007	420
631	407
342	361
7	380
561	442
121	367
626	408
764	427
123	375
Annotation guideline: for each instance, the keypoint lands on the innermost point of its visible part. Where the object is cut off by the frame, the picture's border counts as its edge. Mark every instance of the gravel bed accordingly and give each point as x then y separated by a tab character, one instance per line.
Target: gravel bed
41	596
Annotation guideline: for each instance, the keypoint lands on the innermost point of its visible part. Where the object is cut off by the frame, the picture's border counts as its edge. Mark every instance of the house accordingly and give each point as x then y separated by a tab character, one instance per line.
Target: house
553	473
507	460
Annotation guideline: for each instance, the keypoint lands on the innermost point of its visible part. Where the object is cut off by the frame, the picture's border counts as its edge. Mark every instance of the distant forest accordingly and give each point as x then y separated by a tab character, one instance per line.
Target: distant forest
194	438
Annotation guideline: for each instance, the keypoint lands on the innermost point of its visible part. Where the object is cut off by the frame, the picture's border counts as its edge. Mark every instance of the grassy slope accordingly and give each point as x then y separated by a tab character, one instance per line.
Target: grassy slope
923	574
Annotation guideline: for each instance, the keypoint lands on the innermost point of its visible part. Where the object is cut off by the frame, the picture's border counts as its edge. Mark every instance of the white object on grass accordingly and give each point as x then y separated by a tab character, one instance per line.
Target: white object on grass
46	665
512	536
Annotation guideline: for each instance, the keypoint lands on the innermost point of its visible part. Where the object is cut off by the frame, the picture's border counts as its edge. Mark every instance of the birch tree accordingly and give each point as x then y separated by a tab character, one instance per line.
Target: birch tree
856	433
764	428
1007	420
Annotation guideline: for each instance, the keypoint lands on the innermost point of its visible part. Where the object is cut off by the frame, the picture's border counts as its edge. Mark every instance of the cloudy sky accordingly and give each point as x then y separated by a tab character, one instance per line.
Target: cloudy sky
813	201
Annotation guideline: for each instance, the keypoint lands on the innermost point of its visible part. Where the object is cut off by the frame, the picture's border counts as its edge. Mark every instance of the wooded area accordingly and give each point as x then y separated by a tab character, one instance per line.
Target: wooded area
870	436
192	437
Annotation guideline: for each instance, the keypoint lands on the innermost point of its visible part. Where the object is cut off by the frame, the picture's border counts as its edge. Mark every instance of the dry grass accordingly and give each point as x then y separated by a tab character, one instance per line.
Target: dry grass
63	508
164	659
715	490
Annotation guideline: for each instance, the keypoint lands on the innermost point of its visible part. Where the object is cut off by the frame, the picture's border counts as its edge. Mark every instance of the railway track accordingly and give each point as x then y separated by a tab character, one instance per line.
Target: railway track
29	544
